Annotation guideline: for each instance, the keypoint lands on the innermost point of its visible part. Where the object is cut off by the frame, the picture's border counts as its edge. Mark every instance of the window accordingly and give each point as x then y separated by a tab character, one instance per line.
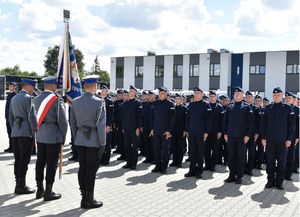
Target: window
258	69
178	69
237	70
194	70
292	69
139	71
159	71
214	69
120	71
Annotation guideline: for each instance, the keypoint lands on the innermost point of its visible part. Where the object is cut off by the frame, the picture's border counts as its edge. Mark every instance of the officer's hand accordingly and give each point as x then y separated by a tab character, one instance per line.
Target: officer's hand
246	139
264	142
100	151
114	125
187	134
123	131
288	143
167	135
151	133
137	132
296	141
142	129
117	128
226	138
184	133
205	136
107	129
255	137
219	135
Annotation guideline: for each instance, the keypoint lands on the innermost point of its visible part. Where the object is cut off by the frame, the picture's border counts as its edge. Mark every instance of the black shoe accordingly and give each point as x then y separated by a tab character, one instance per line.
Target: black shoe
219	163
141	154
40	190
83	198
152	162
198	176
279	186
116	151
190	174
121	158
22	188
270	184
127	166
296	171
225	164
179	165
163	171
147	161
213	169
104	163
259	167
133	167
206	168
156	169
73	158
49	194
90	202
289	178
8	150
230	179
250	173
238	181
173	164
188	160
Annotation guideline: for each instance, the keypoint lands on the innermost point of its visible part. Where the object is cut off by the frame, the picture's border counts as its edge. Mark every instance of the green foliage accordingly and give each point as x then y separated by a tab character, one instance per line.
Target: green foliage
95	70
17	71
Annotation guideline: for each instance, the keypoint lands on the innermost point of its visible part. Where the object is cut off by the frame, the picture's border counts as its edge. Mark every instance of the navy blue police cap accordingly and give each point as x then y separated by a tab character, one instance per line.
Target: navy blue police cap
172	99
162	89
239	89
198	89
224	96
145	92
265	99
248	93
13	83
104	87
29	81
192	95
125	91
151	92
277	90
90	79
133	87
257	97
177	95
290	94
212	92
119	91
113	95
243	100
50	80
183	96
218	100
205	97
99	93
168	94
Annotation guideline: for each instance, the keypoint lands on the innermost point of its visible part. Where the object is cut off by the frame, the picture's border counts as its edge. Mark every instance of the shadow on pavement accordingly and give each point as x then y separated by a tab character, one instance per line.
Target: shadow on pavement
221	169
247	180
226	190
72	212
183	184
6	197
111	174
269	197
144	179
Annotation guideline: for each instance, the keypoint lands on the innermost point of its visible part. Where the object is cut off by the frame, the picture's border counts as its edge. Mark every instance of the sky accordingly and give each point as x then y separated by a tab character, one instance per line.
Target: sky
112	28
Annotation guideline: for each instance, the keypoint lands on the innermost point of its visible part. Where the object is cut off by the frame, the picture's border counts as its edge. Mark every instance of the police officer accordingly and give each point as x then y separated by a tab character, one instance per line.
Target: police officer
259	147
144	98
162	121
73	146
23	121
198	127
206	98
116	106
178	132
109	119
192	98
296	103
251	144
88	122
131	123
184	101
290	158
237	131
12	88
51	134
277	133
265	102
211	149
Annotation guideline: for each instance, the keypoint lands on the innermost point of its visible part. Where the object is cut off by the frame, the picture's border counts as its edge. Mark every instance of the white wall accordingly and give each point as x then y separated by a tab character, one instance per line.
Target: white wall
168	71
113	63
246	72
149	73
275	72
186	72
204	71
129	70
225	74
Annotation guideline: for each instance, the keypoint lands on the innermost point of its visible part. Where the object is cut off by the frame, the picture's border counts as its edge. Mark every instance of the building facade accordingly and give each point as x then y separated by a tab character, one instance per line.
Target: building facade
222	70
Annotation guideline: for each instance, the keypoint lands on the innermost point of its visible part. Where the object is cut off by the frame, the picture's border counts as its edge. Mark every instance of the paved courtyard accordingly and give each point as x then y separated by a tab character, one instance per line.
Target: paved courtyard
141	193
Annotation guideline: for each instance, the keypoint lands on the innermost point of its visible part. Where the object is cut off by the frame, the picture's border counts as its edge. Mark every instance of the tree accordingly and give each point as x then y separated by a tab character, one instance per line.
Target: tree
17	71
51	60
95	70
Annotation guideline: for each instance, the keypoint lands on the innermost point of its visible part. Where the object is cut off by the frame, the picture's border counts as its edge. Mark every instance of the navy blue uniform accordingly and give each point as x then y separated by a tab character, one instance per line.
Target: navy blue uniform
259	153
162	120
109	105
212	142
277	127
199	120
223	148
177	140
131	115
290	158
120	141
8	128
238	123
148	141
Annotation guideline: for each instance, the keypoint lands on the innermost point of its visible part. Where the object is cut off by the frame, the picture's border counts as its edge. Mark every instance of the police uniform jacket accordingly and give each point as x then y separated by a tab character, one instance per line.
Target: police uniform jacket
22	106
89	111
7	105
55	126
180	118
131	115
162	116
296	111
238	121
257	119
199	118
109	111
217	118
146	115
116	107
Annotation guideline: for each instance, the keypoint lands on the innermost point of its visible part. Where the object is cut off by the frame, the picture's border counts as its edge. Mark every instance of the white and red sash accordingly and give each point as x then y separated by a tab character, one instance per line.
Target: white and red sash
44	108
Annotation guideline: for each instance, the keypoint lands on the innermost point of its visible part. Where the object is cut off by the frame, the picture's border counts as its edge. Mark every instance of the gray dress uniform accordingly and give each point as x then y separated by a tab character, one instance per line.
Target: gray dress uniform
50	135
23	121
88	123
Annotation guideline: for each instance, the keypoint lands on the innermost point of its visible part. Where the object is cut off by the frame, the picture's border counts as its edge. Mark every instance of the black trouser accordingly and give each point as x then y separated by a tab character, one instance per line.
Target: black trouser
121	142
47	154
236	156
196	149
141	143
148	141
114	138
73	147
22	153
297	156
177	144
131	147
161	149
290	159
223	150
106	155
184	145
259	154
8	128
88	166
211	150
276	151
250	146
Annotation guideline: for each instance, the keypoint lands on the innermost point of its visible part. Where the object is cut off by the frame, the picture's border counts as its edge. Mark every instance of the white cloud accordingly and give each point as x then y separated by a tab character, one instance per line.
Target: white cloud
218	13
7	29
5	16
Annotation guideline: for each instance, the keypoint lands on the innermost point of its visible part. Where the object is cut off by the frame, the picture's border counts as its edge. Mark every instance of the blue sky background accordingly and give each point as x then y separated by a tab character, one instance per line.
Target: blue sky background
133	27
